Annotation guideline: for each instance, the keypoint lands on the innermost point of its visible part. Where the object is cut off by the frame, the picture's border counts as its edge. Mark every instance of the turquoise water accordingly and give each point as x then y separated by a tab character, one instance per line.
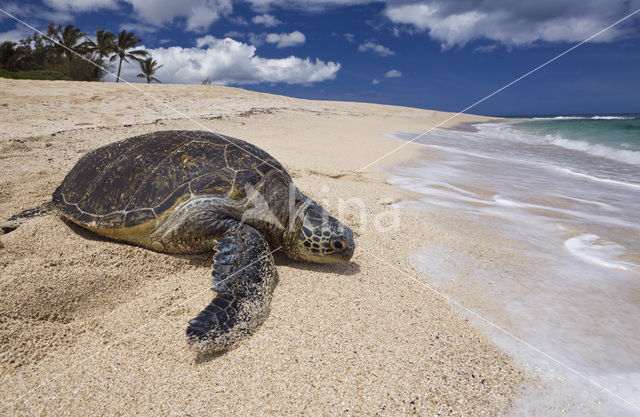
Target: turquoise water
621	131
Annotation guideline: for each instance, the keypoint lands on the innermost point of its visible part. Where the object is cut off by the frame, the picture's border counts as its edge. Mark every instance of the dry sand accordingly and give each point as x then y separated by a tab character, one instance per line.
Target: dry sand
93	327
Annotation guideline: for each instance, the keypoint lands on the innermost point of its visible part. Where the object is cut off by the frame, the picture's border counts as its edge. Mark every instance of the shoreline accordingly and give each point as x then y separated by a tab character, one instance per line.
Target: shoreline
534	263
470	126
360	338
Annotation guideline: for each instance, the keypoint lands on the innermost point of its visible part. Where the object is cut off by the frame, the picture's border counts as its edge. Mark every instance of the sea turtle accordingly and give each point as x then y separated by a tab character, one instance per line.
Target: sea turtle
196	191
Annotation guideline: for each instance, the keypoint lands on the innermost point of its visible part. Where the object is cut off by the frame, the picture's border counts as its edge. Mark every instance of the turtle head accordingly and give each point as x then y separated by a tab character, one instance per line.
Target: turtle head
319	237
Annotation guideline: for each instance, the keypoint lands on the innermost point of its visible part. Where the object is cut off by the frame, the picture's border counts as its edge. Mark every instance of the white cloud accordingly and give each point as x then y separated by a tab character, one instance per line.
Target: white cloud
486	48
263	6
31	11
456	23
350	37
20	32
226	61
201	17
375	81
199	14
238	20
374	47
234	34
283	40
255	39
81	5
138	28
393	74
509	22
450	22
266	19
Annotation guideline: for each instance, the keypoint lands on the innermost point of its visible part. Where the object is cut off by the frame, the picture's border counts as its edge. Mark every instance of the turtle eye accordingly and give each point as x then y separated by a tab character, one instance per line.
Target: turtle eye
338	244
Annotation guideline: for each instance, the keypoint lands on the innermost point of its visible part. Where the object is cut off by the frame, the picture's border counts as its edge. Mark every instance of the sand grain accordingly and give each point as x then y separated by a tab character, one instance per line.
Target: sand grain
94	327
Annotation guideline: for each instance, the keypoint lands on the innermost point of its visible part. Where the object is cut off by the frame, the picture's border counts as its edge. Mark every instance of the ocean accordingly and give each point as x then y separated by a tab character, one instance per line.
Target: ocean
552	207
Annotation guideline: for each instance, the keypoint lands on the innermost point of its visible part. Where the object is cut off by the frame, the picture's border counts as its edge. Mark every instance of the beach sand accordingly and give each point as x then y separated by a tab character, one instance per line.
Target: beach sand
93	327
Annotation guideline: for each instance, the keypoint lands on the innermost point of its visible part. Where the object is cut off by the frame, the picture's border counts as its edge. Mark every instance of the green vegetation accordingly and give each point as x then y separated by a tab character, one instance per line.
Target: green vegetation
122	45
68	50
34	75
149	67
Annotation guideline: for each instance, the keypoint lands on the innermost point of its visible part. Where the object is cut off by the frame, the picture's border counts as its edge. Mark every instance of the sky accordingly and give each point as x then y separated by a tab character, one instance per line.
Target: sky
432	54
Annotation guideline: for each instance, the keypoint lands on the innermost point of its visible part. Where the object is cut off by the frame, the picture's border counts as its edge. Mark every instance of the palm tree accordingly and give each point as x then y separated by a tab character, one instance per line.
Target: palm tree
125	41
149	67
102	48
67	40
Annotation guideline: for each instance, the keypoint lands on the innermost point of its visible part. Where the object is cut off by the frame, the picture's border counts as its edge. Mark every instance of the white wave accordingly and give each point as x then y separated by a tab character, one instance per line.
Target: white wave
591	249
622	155
505	131
613	117
508	203
593	178
600	204
585	118
560	118
492	131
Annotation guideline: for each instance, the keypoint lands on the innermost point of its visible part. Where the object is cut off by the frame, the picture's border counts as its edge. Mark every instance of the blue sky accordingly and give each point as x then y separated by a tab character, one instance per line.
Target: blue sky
434	54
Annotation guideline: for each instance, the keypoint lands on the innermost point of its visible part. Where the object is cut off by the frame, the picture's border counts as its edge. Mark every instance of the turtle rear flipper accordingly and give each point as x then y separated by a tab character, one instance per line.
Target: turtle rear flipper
37	211
13	222
244	276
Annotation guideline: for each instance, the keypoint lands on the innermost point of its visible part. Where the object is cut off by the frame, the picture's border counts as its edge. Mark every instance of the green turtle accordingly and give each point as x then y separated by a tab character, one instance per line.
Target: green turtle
196	191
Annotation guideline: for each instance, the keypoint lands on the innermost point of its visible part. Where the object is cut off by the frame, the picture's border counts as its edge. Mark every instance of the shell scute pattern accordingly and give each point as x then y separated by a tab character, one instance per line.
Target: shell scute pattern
112	192
216	182
250	159
78	183
244	177
181	166
130	182
120	170
115	219
264	167
179	195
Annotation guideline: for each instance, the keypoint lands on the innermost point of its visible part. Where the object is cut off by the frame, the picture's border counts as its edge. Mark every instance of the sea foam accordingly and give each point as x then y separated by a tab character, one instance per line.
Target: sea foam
592	249
594	178
622	155
567	225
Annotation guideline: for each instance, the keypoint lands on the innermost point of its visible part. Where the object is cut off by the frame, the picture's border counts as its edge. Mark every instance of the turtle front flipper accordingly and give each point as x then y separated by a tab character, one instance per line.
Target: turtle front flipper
244	276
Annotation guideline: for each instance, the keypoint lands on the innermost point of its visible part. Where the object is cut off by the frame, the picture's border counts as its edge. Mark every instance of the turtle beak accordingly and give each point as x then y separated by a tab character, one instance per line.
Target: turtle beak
343	246
347	254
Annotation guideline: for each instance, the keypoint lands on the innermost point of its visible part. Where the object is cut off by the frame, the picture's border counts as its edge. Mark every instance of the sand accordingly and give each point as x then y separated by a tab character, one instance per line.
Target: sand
94	327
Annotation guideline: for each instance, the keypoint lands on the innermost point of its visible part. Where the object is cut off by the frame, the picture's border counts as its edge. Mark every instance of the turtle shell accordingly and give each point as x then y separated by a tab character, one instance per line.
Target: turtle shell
132	183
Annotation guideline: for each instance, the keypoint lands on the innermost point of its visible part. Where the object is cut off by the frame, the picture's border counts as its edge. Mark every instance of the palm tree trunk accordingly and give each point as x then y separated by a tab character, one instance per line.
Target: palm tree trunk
99	70
69	66
119	68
